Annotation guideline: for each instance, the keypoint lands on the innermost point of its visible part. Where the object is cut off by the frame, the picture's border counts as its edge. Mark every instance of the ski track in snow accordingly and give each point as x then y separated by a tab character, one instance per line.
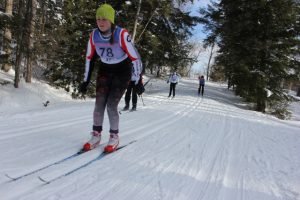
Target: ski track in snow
189	147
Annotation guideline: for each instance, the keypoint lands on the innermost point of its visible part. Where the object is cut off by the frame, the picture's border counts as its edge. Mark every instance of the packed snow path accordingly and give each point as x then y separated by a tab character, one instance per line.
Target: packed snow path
188	148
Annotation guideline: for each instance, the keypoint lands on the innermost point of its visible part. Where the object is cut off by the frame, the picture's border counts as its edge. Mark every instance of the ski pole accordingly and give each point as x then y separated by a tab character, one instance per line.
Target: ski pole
142	100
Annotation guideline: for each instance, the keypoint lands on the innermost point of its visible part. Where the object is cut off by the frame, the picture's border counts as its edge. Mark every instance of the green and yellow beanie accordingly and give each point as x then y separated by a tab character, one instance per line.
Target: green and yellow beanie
105	11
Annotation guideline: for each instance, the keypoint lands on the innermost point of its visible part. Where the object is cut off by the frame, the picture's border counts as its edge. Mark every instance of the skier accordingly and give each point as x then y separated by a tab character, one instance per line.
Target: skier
132	89
118	58
201	85
173	79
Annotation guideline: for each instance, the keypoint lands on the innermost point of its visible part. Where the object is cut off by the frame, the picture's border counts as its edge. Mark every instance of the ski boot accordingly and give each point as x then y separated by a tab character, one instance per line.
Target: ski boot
126	107
133	108
112	143
93	142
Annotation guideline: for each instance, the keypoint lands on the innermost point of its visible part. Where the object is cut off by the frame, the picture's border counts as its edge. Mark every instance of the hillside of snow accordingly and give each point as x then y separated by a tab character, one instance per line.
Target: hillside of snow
186	148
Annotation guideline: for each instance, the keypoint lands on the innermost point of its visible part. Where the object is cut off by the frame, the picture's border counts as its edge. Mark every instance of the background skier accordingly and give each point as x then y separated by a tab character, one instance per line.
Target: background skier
201	85
173	80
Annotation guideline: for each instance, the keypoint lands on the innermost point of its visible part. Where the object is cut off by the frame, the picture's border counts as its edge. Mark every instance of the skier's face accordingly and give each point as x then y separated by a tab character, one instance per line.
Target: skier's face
104	25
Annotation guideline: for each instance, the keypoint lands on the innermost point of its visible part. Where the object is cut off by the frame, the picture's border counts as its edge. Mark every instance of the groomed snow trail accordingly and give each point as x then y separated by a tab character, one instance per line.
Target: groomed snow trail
188	148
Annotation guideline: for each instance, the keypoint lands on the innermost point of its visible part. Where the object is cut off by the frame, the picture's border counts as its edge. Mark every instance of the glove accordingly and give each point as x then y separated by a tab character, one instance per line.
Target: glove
83	87
139	88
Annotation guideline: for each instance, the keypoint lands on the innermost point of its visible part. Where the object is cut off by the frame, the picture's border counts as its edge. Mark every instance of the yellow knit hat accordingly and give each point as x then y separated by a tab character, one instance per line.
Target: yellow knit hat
105	11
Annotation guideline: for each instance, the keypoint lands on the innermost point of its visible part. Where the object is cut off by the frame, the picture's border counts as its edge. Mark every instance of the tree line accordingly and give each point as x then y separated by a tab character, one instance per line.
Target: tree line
258	48
48	38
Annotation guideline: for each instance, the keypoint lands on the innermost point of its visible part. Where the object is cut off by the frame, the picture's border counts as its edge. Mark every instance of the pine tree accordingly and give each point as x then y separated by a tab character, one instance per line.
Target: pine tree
67	63
257	40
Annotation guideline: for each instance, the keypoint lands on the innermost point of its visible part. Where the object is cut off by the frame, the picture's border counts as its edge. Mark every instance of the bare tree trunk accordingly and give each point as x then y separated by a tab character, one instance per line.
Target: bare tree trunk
18	65
19	45
7	38
32	15
151	69
146	25
192	63
209	60
158	72
136	20
43	17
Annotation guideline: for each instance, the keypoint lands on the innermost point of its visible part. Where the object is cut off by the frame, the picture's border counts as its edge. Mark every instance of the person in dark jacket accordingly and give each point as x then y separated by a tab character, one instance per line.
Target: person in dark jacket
131	92
201	85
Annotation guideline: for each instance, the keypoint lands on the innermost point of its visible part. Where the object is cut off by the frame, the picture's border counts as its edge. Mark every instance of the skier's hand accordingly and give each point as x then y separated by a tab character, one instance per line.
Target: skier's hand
139	88
83	87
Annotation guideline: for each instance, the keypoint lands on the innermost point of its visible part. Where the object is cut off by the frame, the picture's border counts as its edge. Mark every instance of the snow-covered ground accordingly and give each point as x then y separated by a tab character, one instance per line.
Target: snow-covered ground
187	148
